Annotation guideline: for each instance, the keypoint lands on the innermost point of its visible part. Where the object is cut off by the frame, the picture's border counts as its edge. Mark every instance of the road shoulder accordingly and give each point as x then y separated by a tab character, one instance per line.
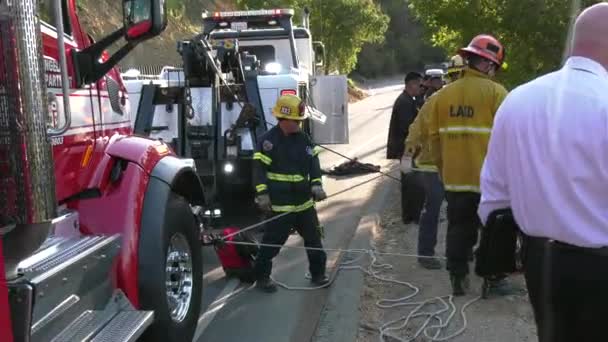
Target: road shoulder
340	317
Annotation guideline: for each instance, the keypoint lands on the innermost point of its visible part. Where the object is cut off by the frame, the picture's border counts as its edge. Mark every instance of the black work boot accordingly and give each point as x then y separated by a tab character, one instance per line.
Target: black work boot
320	280
266	285
460	284
499	287
430	263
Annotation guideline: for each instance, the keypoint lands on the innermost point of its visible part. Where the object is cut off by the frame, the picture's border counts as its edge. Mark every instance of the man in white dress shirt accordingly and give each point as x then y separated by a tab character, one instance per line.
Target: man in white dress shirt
548	162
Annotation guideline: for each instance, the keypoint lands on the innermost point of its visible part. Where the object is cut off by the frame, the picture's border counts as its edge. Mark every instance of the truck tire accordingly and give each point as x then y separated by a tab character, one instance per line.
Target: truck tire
171	273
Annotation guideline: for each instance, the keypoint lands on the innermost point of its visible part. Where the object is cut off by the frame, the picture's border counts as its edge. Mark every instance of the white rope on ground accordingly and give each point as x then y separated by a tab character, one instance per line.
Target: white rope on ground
433	332
256	225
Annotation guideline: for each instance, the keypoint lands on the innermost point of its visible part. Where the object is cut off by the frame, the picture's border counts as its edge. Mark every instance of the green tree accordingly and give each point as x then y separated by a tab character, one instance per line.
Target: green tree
344	26
534	32
405	47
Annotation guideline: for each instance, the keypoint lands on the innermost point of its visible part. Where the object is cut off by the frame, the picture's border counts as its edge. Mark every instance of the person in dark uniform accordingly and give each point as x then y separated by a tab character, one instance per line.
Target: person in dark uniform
420	97
287	177
405	110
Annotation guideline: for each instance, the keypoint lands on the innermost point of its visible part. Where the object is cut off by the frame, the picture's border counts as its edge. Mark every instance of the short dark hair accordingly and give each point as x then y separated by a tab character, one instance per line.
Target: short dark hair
412	76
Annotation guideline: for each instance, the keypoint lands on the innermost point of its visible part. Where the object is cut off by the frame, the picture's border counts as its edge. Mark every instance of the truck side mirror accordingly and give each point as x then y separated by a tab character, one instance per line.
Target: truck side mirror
319	50
144	19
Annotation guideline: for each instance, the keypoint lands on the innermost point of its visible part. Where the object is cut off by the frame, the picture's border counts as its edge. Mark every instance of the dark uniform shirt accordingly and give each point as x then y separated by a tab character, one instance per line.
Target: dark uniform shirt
286	167
404	113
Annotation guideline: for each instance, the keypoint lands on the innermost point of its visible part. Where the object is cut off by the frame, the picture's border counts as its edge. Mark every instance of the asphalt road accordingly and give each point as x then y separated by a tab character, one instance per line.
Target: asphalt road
234	312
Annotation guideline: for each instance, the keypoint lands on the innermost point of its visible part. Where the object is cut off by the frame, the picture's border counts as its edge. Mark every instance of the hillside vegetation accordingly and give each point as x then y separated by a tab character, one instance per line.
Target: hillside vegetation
101	17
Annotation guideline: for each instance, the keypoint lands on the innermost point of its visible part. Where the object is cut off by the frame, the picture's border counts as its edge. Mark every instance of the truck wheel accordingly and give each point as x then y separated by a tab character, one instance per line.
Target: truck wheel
170	274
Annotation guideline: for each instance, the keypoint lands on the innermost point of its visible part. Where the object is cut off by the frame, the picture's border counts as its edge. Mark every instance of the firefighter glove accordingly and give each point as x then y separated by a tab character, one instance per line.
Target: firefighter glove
406	164
263	202
318	194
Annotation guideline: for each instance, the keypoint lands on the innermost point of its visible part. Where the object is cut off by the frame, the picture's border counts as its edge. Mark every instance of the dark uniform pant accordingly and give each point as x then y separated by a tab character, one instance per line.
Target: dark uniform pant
412	197
429	219
463	229
568	289
306	224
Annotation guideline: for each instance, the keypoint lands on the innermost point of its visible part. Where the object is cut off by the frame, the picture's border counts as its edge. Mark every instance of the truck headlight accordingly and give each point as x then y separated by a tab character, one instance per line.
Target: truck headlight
228	168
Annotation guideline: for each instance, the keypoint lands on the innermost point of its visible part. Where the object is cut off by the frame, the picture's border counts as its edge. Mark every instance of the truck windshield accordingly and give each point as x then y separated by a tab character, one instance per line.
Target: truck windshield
264	53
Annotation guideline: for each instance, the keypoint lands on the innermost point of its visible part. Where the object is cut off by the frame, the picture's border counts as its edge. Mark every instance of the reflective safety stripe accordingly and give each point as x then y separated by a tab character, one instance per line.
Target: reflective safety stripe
262	157
261	187
316	180
316	151
466	129
285	178
462	188
294	208
425	168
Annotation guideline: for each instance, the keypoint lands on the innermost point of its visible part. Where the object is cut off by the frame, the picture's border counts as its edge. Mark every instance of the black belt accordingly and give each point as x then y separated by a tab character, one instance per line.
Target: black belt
538	241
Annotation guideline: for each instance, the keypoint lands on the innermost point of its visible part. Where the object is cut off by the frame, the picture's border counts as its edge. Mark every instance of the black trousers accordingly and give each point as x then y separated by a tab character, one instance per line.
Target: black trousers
568	289
463	229
412	197
306	224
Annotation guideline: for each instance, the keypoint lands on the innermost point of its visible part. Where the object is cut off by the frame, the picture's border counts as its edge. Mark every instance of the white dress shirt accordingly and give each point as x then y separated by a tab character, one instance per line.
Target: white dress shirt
548	156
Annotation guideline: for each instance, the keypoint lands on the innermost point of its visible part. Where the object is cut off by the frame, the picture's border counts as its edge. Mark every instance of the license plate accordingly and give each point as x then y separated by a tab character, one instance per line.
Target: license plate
238	25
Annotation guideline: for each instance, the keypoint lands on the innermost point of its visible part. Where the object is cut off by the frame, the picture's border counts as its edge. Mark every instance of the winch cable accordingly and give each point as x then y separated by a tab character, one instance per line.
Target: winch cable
433	332
372	271
261	223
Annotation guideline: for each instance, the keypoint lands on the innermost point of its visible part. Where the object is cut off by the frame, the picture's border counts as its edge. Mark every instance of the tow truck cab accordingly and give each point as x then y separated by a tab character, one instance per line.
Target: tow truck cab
287	52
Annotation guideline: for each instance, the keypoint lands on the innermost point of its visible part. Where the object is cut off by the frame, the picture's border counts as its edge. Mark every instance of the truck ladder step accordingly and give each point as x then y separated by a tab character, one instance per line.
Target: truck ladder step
85	327
106	326
127	326
56	251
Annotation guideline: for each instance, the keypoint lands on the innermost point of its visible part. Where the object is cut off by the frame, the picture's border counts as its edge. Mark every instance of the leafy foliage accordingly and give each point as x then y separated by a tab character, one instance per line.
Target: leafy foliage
534	32
405	47
344	26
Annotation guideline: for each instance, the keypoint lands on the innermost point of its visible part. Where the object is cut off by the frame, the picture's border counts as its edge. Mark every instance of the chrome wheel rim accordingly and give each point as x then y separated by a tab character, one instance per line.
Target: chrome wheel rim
178	279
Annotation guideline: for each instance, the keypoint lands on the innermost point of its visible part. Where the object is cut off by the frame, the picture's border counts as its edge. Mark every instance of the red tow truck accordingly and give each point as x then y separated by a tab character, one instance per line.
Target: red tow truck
98	240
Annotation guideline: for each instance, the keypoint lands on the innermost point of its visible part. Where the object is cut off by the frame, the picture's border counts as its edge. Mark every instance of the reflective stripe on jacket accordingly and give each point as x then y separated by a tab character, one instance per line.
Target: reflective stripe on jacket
286	167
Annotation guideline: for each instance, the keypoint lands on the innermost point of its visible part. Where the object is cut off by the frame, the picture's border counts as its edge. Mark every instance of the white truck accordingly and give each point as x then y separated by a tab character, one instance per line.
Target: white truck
241	59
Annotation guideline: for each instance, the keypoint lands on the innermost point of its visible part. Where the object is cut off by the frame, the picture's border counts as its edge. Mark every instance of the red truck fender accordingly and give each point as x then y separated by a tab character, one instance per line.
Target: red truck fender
136	183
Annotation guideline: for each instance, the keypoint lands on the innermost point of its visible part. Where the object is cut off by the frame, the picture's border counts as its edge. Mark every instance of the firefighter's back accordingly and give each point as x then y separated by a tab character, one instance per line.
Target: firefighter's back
464	116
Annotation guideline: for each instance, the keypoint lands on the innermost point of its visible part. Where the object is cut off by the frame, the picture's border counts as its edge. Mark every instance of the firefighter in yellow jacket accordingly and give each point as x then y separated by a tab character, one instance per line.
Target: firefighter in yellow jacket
459	125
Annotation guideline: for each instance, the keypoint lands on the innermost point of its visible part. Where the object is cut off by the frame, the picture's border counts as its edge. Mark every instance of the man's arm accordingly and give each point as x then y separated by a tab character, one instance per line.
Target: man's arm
500	95
261	163
493	178
418	131
394	148
431	130
413	139
315	170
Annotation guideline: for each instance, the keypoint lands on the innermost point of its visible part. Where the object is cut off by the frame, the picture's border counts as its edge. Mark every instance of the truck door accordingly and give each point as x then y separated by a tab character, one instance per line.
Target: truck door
330	97
73	149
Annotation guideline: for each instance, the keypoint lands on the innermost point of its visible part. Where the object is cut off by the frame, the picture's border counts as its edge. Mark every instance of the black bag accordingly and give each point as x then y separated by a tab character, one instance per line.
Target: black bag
498	251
